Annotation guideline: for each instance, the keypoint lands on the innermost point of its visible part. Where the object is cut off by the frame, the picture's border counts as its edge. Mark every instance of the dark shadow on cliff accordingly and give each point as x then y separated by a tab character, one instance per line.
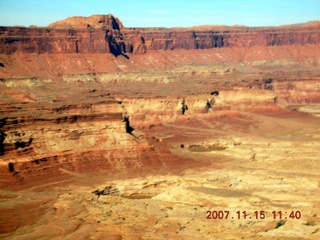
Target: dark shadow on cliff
129	129
208	105
2	138
10	167
21	144
215	93
184	107
116	46
125	55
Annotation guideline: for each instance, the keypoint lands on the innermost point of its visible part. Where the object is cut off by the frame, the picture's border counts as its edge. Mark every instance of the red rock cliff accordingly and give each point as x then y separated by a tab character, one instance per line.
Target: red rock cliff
106	34
63	99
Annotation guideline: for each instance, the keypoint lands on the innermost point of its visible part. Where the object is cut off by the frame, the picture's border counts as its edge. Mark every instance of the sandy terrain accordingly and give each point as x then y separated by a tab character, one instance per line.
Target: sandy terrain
254	162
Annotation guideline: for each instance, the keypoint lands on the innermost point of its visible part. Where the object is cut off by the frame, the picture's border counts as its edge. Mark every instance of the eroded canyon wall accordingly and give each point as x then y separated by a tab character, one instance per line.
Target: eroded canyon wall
66	88
109	36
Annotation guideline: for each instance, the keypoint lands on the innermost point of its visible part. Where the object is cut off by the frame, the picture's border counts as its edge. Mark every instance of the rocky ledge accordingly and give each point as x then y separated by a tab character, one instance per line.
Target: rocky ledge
169	123
67	88
106	34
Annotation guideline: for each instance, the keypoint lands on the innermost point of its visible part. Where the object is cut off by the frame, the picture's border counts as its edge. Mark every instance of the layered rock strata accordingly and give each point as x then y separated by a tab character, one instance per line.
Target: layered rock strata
66	89
170	123
106	34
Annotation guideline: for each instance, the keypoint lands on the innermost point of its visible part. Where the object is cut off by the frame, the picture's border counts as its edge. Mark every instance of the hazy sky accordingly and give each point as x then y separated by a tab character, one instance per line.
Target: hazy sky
163	13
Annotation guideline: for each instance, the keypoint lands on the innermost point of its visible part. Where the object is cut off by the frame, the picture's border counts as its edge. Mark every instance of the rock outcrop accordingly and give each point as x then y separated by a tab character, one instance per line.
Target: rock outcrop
95	21
106	34
67	88
97	34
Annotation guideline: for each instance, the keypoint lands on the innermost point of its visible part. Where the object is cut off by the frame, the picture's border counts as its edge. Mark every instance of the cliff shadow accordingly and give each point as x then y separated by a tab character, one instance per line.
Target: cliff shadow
129	129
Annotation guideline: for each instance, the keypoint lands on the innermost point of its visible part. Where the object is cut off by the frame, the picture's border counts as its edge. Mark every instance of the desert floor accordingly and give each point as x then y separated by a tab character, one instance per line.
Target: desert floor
250	162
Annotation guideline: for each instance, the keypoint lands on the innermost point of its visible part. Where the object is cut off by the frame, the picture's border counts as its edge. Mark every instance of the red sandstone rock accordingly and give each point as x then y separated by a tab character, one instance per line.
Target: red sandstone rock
106	34
65	91
56	125
94	21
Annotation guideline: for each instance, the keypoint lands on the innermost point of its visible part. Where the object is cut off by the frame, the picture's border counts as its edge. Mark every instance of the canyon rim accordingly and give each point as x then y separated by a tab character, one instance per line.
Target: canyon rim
210	132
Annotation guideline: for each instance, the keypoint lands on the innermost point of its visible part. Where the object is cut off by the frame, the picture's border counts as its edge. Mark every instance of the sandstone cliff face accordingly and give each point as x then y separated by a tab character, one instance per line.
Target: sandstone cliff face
60	41
98	34
106	34
52	141
65	90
